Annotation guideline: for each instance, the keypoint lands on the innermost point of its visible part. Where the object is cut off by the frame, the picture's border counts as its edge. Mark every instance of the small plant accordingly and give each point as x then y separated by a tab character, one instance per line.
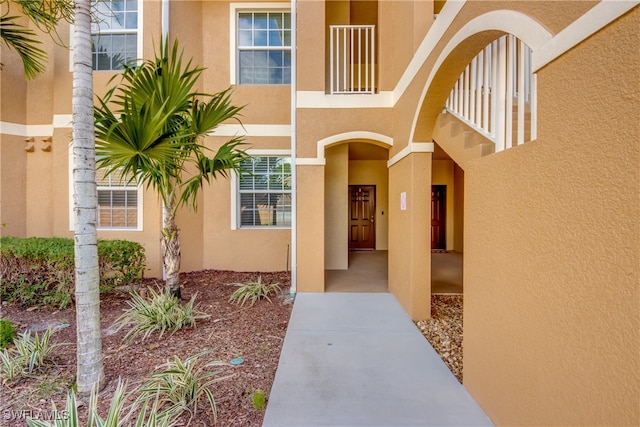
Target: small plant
35	349
182	385
11	366
254	291
160	312
7	333
118	413
29	353
258	400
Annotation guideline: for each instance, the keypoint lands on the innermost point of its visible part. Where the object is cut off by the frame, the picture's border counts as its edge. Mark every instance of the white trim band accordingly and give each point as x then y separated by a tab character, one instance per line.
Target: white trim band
252	130
588	24
414	147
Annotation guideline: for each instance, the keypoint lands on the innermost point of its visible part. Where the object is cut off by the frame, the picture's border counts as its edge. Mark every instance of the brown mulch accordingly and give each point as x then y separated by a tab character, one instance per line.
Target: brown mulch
254	333
444	330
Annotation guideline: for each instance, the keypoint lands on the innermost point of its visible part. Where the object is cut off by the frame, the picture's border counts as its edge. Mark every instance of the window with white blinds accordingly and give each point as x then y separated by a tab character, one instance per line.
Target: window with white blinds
118	201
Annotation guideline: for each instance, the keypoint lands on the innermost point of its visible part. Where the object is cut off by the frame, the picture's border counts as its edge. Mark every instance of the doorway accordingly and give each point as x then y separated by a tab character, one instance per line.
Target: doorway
362	208
438	217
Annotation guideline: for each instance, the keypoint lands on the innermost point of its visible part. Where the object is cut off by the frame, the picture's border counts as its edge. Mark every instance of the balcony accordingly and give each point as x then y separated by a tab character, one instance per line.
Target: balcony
352	59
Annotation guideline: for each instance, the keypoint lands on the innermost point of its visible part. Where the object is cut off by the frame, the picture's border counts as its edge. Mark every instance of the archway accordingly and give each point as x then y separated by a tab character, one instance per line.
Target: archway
356	215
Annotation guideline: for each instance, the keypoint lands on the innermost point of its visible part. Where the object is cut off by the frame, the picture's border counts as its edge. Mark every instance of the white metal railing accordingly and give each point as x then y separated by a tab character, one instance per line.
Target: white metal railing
496	93
352	59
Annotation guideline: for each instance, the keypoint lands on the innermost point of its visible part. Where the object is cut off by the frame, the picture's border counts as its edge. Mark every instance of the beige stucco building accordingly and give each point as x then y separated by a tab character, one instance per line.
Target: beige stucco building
512	127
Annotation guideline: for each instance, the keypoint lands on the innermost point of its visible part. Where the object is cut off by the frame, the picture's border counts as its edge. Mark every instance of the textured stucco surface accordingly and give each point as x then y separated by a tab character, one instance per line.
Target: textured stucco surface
552	270
409	242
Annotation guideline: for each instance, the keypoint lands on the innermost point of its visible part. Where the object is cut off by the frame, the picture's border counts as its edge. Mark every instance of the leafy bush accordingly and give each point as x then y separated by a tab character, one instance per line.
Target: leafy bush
7	333
254	291
37	270
161	312
182	385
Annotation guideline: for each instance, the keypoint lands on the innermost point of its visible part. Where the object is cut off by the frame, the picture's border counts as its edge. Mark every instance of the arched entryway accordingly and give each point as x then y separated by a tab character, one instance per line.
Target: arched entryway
356	216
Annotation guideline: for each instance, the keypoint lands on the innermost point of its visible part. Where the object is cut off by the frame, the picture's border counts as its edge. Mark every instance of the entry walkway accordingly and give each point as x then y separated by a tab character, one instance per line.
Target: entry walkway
355	359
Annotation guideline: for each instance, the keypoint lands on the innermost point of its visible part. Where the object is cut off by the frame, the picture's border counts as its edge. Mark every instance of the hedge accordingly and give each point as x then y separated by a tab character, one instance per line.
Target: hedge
40	271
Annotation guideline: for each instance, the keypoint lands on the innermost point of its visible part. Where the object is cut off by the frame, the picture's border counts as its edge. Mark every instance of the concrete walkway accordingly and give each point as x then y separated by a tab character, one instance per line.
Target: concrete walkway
354	359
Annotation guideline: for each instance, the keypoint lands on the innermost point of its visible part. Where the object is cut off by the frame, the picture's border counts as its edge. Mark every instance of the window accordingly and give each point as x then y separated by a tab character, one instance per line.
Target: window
264	48
114	36
118	205
264	192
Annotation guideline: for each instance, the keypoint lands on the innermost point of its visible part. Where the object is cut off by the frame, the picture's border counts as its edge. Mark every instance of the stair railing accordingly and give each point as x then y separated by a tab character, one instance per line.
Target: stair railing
496	93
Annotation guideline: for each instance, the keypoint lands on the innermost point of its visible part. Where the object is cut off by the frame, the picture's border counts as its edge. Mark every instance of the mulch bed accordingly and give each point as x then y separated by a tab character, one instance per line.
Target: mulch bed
254	333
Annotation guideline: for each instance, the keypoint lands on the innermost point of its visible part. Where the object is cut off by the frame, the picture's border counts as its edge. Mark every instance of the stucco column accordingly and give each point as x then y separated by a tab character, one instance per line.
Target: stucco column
310	218
409	234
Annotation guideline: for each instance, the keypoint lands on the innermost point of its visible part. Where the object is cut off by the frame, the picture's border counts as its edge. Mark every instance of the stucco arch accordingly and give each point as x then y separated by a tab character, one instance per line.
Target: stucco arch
460	50
364	136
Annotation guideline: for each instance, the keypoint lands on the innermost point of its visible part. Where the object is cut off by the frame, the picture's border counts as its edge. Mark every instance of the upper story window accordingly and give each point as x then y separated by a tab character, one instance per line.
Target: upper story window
264	192
114	33
263	48
118	201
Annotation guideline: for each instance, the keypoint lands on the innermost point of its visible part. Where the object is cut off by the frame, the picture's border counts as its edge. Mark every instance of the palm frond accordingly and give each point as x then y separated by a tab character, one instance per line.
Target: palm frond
25	43
150	124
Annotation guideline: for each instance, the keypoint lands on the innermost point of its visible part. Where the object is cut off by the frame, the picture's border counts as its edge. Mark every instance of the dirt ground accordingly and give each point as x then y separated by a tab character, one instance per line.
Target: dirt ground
254	333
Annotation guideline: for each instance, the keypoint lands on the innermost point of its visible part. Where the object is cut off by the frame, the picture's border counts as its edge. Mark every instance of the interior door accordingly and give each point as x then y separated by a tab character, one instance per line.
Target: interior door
362	217
438	216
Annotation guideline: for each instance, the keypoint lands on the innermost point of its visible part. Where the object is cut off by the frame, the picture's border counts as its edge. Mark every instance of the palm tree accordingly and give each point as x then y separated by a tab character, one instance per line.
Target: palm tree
90	370
45	14
155	132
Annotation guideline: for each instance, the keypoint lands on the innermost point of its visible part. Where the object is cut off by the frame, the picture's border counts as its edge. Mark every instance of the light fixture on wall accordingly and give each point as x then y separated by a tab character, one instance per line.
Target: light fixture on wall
29	147
47	144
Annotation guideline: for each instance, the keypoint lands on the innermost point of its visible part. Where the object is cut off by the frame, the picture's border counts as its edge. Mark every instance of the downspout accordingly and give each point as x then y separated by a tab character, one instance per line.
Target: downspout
165	38
165	19
294	179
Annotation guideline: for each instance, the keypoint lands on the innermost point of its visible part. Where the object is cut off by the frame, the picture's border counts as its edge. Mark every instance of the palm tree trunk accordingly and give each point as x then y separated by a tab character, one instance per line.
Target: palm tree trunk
90	370
171	247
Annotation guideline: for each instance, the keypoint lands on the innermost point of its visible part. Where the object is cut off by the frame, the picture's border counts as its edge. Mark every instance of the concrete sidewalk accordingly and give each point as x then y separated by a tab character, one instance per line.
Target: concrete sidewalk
354	359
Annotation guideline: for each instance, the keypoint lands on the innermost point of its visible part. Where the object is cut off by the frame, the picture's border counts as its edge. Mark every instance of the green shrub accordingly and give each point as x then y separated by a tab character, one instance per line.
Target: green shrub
40	271
181	385
160	312
254	291
7	333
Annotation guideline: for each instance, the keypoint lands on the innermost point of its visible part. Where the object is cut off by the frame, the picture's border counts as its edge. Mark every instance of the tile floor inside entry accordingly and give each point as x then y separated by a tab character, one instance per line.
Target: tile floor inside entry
368	273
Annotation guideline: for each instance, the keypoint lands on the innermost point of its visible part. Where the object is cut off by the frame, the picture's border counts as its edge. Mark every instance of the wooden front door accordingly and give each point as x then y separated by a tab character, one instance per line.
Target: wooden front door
362	208
438	216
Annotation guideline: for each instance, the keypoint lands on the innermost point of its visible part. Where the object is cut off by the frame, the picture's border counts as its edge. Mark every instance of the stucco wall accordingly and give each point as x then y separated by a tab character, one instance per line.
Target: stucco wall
336	208
310	218
409	237
552	238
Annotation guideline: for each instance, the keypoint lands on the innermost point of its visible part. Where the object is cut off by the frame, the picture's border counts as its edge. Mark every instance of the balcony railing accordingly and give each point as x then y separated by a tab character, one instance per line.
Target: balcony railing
496	93
352	59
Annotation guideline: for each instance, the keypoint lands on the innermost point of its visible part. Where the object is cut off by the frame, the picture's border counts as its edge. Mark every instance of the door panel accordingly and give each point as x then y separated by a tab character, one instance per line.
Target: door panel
362	216
438	216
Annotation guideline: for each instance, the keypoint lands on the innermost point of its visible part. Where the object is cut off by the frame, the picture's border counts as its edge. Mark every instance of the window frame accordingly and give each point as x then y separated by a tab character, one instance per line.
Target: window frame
137	31
234	57
123	187
139	195
236	222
